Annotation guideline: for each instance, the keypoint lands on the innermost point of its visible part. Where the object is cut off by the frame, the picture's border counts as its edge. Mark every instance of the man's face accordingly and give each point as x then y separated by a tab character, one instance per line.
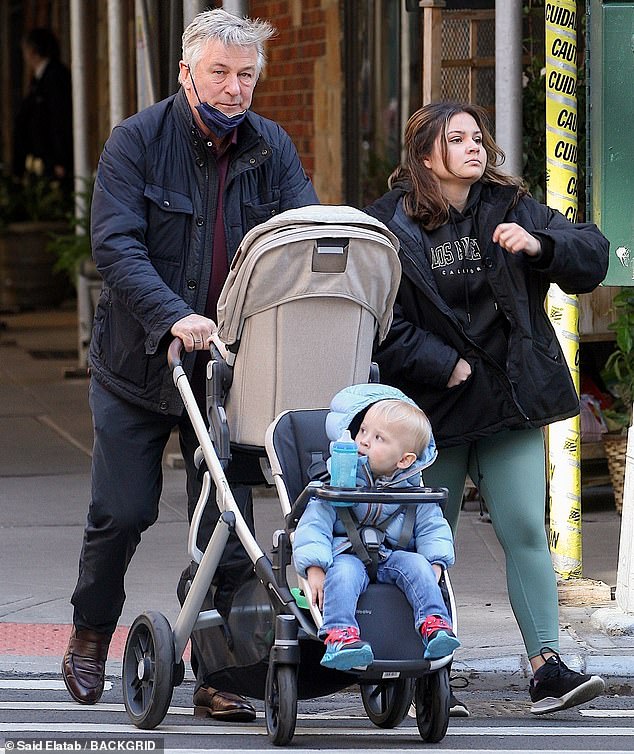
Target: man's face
225	77
30	57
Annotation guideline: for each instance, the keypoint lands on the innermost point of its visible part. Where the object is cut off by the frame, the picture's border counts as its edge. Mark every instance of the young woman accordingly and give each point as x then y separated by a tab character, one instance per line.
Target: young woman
471	342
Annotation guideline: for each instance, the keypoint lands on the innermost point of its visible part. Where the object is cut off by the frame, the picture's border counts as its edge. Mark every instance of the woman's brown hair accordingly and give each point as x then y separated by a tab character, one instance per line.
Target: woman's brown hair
424	201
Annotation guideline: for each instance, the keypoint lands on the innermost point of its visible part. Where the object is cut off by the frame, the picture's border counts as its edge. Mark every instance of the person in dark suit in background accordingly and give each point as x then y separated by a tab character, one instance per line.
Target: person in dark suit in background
43	138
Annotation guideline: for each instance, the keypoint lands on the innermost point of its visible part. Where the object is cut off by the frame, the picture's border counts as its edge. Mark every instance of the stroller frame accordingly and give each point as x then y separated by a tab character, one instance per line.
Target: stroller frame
152	662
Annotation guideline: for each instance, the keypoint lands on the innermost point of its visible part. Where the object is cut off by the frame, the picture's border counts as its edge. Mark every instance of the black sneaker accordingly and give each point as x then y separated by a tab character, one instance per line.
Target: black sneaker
556	687
456	707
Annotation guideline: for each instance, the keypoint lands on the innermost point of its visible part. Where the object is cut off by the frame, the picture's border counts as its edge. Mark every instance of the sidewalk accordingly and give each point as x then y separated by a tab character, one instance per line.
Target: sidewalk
45	441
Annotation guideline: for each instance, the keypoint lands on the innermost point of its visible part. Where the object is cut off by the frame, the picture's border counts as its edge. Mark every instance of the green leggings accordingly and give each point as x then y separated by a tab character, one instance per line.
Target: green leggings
509	470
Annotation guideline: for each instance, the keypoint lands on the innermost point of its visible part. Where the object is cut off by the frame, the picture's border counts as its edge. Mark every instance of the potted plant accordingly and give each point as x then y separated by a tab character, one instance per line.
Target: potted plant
71	248
73	253
618	376
31	208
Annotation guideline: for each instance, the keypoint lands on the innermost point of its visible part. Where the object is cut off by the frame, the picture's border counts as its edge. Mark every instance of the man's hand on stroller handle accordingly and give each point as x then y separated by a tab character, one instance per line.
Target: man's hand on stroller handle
197	332
316	577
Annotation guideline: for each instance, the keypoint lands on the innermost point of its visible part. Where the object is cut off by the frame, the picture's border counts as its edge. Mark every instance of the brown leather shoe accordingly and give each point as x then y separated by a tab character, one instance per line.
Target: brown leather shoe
222	705
84	665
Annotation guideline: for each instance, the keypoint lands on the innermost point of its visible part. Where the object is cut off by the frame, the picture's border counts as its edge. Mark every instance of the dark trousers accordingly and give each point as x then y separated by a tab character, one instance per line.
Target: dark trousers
127	479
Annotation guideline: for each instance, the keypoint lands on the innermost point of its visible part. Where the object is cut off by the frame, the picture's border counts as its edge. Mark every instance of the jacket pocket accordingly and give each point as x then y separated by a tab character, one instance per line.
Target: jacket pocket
169	215
119	336
256	213
547	349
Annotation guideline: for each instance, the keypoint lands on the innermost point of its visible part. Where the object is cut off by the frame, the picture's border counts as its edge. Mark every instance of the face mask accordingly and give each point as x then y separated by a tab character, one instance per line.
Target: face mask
217	121
220	123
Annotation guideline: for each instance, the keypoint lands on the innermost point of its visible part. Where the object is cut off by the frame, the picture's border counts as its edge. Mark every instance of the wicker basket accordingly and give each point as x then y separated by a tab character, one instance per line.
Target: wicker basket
615	449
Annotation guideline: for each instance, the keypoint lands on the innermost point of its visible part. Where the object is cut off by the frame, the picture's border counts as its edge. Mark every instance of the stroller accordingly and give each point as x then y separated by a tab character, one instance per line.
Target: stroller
337	267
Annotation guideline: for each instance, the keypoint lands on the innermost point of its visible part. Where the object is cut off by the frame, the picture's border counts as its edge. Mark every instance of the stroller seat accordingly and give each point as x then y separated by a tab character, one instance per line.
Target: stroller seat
297	445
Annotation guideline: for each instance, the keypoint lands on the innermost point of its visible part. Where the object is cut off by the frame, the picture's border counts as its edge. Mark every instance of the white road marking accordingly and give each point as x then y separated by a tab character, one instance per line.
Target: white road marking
82	708
189	711
50	685
259	730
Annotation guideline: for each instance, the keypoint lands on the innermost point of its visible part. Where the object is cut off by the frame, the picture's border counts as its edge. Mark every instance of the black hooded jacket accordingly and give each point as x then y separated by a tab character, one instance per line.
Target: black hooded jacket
531	386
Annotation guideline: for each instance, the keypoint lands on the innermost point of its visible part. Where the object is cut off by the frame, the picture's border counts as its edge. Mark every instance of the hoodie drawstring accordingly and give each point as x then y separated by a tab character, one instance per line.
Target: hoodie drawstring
465	282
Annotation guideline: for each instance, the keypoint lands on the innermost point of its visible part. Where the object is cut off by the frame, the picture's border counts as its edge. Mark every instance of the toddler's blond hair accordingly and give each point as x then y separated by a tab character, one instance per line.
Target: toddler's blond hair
416	426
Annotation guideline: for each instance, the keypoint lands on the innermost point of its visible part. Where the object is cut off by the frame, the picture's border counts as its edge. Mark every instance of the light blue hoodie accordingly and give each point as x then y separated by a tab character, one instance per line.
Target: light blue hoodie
320	535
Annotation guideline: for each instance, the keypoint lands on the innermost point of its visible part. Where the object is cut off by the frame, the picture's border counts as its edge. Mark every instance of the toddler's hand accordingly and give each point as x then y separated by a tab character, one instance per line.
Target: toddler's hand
316	577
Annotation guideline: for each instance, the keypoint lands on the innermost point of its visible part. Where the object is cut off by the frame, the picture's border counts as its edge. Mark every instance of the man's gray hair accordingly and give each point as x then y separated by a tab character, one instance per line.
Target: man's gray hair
230	30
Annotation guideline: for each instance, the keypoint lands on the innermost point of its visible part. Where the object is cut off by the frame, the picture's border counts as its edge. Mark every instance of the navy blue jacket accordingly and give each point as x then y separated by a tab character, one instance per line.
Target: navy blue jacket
152	231
534	386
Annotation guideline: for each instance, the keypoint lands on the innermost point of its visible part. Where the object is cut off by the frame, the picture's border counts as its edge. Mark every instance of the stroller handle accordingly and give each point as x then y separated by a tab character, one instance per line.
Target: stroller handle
216	347
174	353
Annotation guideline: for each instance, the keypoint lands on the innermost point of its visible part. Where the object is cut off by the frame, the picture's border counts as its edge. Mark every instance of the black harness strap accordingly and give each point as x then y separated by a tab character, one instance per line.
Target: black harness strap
355	539
317	470
366	540
408	528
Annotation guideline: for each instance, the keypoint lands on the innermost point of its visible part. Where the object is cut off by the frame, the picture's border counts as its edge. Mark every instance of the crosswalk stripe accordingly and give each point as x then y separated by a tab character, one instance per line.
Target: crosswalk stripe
41	685
259	730
189	711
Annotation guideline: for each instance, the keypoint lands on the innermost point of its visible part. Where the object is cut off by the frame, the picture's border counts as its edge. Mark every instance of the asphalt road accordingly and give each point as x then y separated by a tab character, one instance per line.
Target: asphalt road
37	715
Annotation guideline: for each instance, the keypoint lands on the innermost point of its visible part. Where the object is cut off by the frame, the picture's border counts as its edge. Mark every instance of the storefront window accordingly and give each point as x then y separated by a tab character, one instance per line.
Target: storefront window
381	41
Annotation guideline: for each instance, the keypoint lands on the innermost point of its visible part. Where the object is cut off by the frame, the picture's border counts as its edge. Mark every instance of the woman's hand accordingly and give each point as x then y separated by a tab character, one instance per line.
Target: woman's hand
316	577
461	373
514	239
437	570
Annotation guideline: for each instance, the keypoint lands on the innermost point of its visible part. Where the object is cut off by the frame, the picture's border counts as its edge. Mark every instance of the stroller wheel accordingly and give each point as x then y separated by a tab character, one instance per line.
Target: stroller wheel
432	705
148	670
386	702
280	703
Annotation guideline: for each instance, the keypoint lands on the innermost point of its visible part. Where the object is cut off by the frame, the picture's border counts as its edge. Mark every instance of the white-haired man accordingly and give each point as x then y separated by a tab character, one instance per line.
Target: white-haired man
177	187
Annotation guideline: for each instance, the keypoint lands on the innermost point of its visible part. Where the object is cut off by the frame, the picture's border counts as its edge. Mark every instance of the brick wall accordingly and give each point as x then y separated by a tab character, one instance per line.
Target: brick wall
286	92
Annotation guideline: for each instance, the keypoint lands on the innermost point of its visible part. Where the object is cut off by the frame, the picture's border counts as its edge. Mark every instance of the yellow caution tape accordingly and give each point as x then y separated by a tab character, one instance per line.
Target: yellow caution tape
561	191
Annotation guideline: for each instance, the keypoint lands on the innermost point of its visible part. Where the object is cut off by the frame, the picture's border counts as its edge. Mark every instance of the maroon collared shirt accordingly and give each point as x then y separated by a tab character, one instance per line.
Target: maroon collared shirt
219	258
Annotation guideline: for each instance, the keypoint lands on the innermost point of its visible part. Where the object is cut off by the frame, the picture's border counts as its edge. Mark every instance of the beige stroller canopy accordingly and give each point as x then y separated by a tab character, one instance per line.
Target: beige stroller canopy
273	265
308	293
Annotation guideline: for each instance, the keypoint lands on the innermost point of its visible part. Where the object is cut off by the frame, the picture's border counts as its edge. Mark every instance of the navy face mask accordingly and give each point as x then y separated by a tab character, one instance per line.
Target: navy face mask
220	123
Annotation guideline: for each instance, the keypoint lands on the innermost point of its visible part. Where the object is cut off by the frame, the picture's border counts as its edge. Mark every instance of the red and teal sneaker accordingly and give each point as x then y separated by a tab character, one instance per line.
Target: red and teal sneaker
438	637
345	650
